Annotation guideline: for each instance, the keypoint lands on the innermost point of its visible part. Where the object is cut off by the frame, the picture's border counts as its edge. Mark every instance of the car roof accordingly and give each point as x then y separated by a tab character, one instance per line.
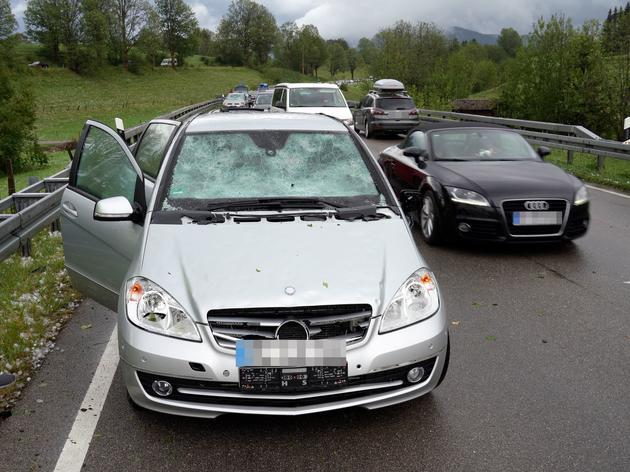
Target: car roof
435	125
247	121
308	85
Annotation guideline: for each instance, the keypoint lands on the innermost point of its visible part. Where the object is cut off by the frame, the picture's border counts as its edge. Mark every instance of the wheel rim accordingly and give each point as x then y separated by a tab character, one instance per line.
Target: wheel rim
427	216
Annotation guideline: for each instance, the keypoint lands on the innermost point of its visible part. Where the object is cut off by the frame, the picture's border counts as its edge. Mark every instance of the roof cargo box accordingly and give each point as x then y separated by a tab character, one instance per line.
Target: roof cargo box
389	85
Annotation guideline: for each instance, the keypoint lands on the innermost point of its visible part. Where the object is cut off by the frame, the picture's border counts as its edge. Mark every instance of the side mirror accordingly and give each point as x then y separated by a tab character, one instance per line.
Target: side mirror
113	209
543	151
419	155
353	104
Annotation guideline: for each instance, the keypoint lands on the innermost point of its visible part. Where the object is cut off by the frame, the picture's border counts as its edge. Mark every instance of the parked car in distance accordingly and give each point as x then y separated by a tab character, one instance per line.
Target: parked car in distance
386	108
263	100
235	100
311	98
168	62
258	233
38	65
464	180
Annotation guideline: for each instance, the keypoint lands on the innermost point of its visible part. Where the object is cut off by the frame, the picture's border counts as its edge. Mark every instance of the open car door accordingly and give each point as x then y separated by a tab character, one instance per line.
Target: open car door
98	248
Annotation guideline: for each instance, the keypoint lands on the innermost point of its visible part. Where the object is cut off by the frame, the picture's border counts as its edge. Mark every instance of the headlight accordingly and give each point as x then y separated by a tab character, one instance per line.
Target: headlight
581	196
150	307
461	195
416	300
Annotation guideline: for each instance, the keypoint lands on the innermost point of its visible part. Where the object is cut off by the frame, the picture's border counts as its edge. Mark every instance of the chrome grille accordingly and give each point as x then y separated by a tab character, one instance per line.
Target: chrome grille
348	322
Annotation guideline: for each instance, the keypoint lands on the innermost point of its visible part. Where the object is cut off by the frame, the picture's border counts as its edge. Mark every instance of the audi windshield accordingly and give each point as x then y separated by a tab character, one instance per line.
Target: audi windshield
480	145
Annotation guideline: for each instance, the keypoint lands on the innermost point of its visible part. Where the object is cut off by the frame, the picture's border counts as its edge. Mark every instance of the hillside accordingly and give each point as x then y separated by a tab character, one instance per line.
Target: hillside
463	34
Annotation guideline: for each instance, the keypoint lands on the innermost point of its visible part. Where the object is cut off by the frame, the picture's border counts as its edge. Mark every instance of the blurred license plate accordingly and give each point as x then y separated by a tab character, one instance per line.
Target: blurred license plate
536	218
291	365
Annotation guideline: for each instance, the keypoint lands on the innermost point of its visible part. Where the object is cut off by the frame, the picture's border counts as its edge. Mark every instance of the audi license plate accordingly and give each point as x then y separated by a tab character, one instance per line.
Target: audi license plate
536	218
291	365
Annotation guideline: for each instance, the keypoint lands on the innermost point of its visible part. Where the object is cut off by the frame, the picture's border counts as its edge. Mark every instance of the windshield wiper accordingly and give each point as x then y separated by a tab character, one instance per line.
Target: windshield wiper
274	204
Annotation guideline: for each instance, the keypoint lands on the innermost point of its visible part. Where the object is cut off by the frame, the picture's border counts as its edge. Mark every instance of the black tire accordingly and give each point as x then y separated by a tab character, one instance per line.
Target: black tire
369	132
429	219
446	361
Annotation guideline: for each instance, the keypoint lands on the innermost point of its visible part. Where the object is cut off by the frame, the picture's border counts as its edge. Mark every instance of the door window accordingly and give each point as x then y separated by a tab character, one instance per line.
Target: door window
152	147
279	98
104	169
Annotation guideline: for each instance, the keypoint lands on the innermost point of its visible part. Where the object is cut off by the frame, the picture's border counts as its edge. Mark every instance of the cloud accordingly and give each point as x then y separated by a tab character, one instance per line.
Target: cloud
353	20
205	18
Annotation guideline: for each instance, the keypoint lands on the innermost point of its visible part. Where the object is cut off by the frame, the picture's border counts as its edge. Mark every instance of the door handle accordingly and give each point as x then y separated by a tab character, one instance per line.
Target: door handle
69	209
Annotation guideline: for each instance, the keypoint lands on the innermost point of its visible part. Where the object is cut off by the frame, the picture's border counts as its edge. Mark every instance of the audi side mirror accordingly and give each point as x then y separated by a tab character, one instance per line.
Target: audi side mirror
419	155
113	209
543	151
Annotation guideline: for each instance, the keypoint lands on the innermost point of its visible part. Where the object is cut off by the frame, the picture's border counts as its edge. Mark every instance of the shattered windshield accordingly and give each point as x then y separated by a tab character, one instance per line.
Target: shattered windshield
225	166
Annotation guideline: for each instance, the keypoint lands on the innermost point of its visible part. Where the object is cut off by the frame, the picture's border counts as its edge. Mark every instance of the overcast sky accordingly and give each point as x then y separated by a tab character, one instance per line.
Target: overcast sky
352	19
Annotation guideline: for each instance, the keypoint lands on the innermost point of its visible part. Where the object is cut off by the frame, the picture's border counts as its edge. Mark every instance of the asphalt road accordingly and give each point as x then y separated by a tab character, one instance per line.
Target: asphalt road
539	380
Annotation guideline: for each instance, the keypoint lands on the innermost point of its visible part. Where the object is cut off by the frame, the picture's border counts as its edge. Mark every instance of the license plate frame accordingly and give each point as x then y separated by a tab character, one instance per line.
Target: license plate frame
292	379
536	218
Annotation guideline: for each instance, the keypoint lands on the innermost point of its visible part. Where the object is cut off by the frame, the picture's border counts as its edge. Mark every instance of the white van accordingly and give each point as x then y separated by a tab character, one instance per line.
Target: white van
312	98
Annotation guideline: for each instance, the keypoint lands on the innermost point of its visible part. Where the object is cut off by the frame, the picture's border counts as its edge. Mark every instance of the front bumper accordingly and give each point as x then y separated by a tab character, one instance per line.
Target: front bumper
376	372
490	224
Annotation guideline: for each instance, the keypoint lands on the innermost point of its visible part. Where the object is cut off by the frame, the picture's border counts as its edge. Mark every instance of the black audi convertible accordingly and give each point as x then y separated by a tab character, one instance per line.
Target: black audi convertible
480	182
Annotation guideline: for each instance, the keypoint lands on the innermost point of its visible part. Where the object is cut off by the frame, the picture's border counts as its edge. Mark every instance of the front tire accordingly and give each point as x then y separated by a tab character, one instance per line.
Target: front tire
429	219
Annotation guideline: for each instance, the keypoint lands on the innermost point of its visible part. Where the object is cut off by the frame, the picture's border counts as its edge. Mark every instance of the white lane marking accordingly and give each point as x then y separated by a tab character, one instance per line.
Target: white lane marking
609	191
78	442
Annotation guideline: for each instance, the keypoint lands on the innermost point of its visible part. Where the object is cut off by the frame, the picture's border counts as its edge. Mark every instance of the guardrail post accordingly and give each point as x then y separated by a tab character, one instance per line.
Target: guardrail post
600	162
25	247
569	157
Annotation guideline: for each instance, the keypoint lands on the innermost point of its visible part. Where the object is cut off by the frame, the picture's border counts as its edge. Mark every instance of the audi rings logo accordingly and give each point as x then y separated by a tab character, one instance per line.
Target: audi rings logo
537	205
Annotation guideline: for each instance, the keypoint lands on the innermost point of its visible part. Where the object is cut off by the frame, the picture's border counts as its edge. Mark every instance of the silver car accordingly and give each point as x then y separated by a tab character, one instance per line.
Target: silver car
265	267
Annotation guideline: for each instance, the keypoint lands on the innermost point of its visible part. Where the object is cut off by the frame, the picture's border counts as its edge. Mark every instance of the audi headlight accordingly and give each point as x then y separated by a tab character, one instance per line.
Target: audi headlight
150	307
581	196
461	195
417	299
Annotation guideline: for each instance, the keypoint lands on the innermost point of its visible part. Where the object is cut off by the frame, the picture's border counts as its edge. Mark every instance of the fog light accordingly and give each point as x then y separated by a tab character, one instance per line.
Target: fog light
464	227
162	388
414	375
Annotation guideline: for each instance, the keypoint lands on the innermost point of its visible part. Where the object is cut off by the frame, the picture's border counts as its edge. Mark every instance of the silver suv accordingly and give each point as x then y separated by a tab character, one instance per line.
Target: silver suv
387	108
259	263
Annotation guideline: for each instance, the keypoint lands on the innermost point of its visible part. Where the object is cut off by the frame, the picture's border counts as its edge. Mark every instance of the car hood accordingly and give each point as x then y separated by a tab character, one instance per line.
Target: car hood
248	265
341	113
502	180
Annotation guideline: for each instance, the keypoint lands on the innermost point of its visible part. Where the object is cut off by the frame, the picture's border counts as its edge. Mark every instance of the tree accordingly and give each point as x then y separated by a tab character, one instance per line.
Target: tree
246	33
43	21
510	41
177	24
128	17
94	33
7	20
367	50
337	60
150	37
353	58
18	145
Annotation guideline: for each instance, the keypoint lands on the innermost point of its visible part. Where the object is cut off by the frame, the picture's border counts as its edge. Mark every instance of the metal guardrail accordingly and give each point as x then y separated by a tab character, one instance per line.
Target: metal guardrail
568	137
27	212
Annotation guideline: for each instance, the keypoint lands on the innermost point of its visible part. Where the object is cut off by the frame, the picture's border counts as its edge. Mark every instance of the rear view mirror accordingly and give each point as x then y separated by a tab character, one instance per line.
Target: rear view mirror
543	151
113	209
